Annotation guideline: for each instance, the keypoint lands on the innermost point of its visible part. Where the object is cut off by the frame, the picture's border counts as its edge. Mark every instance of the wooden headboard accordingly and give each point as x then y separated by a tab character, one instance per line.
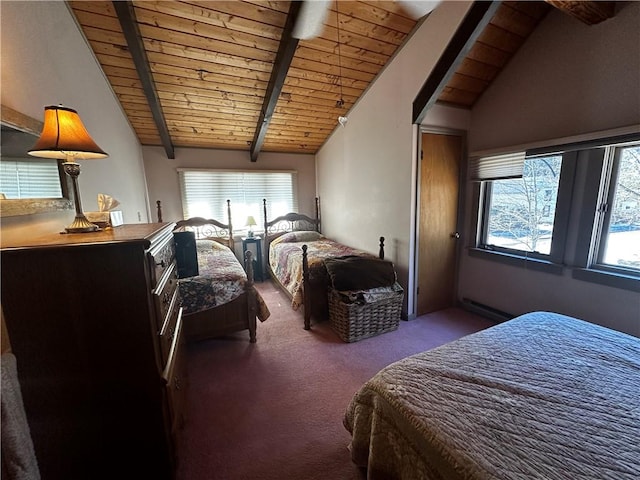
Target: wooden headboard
209	228
291	222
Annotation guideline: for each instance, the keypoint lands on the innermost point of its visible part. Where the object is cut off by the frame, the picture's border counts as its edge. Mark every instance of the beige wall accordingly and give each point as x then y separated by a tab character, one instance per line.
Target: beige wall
568	79
46	61
366	170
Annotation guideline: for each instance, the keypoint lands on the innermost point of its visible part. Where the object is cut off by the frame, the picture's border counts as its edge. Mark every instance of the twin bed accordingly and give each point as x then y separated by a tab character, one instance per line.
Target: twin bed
295	251
221	298
542	396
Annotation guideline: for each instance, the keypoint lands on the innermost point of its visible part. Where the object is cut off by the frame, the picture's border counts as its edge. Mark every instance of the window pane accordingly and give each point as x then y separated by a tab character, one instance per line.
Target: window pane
21	175
205	194
33	178
622	242
521	211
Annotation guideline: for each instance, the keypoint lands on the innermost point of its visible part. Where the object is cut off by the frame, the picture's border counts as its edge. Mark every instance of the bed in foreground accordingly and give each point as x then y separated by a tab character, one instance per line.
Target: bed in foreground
542	396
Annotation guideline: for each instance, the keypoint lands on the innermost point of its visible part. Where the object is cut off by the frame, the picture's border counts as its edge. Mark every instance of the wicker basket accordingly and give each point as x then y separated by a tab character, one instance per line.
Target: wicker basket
353	322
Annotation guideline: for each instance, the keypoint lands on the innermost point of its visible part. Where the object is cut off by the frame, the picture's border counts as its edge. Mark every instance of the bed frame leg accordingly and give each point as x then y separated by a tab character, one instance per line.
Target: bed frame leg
306	289
252	310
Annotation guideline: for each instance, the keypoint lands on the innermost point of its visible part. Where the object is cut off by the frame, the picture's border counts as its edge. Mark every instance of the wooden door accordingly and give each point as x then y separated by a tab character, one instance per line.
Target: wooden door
438	212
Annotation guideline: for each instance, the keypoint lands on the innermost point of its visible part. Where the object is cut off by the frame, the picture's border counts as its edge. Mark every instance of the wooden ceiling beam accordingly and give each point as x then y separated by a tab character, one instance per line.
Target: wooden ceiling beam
129	24
588	12
286	51
473	24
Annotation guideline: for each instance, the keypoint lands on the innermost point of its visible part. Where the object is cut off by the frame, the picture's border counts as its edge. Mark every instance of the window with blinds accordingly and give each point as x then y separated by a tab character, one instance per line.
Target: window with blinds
32	178
527	200
205	194
520	212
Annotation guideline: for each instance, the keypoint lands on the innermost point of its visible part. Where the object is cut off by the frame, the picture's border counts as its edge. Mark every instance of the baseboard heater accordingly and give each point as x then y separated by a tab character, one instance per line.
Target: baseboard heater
486	311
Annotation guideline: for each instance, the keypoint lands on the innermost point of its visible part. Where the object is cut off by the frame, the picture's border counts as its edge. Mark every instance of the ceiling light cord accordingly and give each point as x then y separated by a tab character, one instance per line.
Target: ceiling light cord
339	103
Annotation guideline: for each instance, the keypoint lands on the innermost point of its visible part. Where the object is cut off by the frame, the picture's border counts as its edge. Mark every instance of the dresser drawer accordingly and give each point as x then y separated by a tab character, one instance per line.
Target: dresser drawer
165	294
161	257
169	328
175	376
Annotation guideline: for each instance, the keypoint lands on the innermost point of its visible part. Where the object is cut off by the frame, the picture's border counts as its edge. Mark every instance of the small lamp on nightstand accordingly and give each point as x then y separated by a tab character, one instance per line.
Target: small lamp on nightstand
64	136
250	223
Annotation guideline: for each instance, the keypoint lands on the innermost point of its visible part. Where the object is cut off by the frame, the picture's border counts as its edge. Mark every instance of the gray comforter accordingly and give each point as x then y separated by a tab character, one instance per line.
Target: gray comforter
543	396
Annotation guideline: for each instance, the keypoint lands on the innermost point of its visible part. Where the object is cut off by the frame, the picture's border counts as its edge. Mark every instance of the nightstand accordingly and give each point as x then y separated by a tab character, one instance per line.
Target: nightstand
257	255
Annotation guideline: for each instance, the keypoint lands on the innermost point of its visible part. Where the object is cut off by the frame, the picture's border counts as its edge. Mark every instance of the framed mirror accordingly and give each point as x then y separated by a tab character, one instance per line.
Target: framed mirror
19	133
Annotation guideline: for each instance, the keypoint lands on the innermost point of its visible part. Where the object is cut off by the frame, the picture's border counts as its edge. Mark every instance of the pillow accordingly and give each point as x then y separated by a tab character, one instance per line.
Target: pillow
307	236
205	244
202	244
301	236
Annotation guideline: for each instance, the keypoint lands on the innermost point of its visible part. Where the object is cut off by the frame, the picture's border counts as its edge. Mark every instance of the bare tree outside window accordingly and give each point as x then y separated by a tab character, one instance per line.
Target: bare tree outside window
522	210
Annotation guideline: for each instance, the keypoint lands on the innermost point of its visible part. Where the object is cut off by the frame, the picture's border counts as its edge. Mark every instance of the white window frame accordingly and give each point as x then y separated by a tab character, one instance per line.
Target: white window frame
602	221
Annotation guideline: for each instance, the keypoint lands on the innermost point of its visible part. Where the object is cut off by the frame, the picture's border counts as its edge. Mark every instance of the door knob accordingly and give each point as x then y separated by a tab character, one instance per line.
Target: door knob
455	235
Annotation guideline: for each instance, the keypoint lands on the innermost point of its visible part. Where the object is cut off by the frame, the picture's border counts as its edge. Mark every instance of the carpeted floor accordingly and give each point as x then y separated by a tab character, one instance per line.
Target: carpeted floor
273	410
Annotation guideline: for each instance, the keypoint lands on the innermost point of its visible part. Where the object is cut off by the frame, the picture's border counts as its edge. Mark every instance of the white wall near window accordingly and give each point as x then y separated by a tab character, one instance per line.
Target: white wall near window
568	79
366	170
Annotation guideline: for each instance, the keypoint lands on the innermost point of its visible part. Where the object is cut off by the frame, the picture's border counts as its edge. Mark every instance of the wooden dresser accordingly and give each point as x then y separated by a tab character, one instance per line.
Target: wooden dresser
95	323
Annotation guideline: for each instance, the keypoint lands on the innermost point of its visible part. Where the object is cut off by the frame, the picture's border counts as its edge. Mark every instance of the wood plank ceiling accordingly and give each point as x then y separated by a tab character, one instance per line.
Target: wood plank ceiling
511	25
210	64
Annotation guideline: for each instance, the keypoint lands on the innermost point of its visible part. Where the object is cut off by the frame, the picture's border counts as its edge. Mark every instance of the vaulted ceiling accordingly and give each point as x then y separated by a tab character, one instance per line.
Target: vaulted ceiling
228	74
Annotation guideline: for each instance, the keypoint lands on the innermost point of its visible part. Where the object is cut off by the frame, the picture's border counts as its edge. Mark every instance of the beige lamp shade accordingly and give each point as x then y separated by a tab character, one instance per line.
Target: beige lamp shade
64	136
251	221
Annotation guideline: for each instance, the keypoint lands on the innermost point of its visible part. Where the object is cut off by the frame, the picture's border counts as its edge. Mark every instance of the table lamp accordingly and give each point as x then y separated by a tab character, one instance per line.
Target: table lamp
64	137
250	223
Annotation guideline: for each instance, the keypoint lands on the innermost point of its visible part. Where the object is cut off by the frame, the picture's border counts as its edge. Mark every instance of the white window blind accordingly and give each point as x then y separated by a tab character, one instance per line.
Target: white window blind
205	194
32	178
497	167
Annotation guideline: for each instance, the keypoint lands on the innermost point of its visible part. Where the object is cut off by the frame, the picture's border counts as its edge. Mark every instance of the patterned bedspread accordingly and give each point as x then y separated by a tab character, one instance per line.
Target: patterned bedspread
285	259
543	396
221	279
